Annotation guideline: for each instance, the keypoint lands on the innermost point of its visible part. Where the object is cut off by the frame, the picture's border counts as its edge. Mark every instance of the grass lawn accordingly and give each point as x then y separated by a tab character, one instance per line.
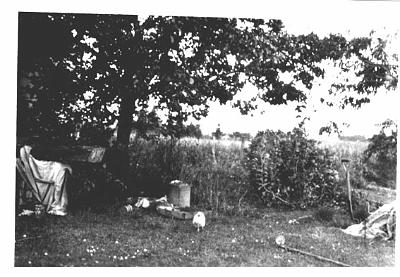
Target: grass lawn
145	238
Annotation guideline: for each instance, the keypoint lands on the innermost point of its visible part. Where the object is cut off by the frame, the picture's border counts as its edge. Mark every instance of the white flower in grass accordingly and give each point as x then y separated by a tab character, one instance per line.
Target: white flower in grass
280	240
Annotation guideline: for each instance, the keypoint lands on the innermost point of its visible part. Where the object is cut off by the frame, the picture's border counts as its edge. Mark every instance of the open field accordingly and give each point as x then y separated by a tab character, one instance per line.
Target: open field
145	238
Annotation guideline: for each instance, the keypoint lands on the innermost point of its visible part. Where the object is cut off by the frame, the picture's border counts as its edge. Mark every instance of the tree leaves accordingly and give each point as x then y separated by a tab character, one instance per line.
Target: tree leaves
187	61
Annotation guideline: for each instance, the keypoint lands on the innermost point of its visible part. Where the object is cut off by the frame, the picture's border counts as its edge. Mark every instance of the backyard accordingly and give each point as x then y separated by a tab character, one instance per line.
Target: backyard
137	104
144	238
240	230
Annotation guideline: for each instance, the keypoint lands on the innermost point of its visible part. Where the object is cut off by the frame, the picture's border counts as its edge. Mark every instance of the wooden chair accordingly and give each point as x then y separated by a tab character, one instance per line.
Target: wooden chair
30	182
41	190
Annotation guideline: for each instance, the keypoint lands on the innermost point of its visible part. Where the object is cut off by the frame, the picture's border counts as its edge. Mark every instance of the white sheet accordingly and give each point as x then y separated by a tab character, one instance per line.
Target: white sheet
56	201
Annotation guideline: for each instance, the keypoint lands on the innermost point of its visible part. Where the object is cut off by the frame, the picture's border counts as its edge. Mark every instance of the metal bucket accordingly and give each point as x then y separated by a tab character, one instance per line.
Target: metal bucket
179	194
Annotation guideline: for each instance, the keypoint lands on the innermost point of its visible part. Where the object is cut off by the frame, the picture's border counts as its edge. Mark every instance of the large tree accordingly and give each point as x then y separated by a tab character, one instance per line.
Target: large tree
180	63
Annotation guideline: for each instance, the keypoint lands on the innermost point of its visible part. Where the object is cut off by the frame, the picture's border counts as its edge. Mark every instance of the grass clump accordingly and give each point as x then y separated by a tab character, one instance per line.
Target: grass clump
324	214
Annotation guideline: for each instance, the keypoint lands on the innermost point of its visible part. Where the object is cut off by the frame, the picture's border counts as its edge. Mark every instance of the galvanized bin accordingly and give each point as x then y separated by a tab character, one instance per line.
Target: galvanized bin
179	194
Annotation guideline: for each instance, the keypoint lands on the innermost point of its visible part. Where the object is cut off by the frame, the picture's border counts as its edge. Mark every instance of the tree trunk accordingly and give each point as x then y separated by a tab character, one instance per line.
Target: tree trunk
119	162
127	108
125	120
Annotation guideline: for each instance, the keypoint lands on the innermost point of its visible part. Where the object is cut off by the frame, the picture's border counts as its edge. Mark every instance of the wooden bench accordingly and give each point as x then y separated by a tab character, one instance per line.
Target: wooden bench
86	154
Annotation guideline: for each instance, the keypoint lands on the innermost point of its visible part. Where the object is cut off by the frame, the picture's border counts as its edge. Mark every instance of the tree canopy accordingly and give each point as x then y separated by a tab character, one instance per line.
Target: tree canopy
101	68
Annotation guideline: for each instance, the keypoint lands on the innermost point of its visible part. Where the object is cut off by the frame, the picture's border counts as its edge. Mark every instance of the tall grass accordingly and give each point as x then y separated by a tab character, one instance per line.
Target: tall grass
216	170
213	169
353	151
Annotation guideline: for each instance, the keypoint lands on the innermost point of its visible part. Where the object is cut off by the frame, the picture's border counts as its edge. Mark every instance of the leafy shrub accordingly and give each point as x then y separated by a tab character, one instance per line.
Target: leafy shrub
289	169
381	157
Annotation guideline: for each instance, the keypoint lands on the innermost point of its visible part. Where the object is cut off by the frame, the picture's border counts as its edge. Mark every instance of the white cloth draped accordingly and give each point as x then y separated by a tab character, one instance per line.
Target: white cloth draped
56	199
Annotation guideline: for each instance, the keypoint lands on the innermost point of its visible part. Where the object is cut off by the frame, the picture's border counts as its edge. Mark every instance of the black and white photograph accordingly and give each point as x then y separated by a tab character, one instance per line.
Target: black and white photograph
203	134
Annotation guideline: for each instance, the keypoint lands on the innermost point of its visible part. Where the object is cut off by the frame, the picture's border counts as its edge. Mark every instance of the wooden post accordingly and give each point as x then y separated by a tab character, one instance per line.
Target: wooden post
349	192
213	150
313	255
346	165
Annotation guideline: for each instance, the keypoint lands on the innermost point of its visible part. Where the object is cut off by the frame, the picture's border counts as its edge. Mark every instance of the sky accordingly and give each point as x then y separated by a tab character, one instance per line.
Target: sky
363	121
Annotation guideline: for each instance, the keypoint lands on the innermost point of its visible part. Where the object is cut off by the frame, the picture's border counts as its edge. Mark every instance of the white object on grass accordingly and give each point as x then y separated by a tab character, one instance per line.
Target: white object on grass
26	212
199	220
143	202
280	240
146	203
